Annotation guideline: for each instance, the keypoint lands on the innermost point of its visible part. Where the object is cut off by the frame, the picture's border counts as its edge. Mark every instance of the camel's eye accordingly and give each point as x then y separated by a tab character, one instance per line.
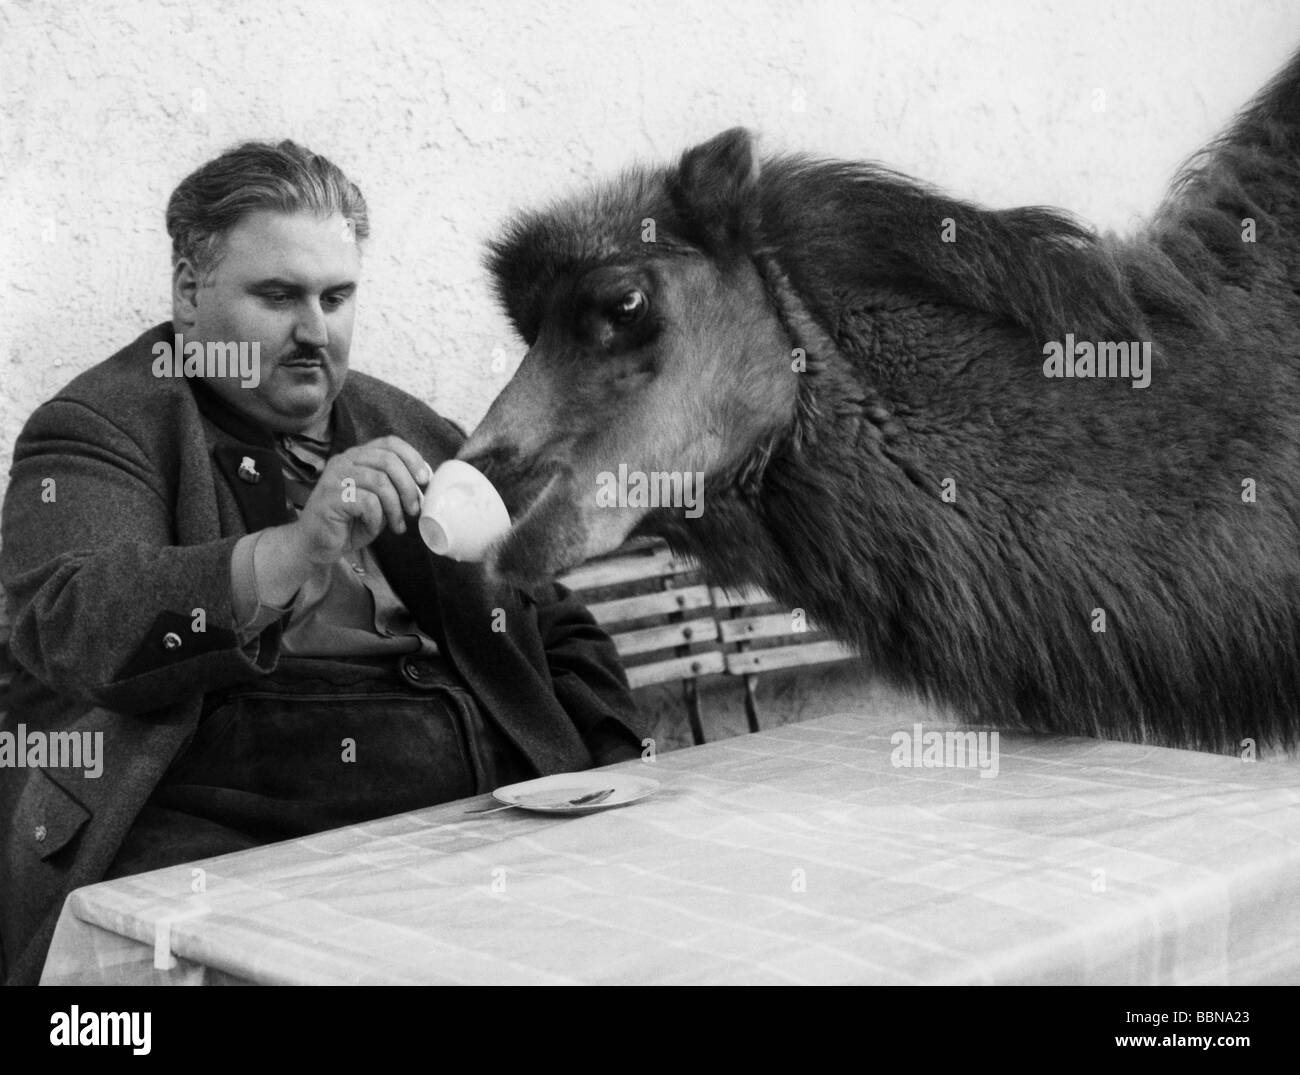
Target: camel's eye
629	309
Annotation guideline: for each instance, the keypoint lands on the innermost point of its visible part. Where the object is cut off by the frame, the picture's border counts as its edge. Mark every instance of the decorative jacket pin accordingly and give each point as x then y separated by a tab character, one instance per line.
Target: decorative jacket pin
248	470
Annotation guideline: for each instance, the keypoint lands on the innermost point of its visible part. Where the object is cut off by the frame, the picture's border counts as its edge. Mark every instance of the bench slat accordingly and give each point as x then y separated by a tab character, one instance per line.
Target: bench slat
623	569
699	664
774	625
749	595
768	660
667	636
659	603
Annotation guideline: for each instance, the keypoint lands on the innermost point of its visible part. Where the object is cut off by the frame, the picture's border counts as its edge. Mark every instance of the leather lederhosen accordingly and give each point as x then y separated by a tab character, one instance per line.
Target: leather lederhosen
318	744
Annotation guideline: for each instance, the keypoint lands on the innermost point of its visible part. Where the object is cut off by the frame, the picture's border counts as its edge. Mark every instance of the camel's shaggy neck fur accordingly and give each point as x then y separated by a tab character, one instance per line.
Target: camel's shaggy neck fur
988	602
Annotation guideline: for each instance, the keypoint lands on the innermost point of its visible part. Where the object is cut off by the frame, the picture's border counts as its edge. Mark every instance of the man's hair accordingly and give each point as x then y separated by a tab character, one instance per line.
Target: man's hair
283	177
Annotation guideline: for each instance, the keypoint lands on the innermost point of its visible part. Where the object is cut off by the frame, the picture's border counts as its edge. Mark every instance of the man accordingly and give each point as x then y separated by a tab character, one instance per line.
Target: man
217	578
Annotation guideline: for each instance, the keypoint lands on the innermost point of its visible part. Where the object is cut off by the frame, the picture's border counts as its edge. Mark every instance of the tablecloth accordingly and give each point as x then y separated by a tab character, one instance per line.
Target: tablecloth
805	854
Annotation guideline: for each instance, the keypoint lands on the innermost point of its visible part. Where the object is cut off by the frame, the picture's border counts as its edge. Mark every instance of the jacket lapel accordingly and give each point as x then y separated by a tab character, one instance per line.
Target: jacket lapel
248	462
254	476
410	569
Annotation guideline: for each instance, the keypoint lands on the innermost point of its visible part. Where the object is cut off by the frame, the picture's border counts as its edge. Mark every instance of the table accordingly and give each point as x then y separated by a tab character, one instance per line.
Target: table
798	855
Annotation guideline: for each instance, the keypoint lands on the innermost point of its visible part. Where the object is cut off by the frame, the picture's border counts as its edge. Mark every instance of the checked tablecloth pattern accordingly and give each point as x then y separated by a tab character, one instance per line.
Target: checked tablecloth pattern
798	855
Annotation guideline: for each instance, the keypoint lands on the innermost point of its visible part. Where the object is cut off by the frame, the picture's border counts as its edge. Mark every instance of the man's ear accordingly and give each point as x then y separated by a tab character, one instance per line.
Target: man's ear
185	295
715	189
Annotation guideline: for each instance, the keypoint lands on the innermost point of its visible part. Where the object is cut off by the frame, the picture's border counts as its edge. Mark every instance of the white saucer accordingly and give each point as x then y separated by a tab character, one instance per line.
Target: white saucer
551	794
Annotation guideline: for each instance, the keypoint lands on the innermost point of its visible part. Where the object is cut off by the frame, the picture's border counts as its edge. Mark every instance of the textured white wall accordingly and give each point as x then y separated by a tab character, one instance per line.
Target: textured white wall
450	114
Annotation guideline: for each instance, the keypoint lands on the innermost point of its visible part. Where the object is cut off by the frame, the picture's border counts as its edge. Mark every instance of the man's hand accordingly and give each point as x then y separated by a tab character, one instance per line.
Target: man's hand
359	492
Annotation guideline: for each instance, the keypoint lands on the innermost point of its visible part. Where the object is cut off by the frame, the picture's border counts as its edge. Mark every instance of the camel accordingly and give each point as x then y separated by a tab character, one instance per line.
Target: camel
1043	476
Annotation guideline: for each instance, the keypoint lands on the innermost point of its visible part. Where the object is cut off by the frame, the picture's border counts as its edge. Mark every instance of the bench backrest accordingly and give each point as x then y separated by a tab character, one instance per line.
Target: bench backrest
668	625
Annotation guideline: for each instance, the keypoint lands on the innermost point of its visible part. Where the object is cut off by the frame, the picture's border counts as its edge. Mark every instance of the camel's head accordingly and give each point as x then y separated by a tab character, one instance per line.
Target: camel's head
656	363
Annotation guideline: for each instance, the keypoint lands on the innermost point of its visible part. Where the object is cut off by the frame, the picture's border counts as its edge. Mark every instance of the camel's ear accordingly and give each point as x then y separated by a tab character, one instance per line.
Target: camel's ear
522	263
716	191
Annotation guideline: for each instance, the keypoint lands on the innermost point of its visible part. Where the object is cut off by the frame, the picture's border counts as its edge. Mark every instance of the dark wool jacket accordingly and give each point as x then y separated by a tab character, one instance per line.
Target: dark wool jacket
141	509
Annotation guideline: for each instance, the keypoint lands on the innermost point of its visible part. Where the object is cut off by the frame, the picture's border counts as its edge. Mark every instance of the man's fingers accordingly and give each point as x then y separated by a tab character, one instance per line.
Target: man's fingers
398	469
391	504
388	486
377	485
372	513
419	470
361	492
374	484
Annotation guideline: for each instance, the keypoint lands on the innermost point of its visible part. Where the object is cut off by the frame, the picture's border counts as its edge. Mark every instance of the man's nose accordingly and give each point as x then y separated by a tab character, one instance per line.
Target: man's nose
311	328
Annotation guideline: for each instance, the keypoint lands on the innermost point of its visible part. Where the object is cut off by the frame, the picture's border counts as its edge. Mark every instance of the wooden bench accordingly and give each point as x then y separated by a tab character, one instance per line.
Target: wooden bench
669	626
761	636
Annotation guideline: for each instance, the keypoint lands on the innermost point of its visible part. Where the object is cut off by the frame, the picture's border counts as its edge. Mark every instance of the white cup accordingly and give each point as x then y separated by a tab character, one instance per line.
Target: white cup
461	513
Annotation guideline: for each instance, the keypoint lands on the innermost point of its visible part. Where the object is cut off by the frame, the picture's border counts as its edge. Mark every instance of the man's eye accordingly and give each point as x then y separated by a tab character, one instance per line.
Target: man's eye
275	296
335	301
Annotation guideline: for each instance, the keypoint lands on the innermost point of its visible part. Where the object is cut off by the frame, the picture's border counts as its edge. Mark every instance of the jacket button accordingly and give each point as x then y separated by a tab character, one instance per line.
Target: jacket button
419	672
171	640
39	833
